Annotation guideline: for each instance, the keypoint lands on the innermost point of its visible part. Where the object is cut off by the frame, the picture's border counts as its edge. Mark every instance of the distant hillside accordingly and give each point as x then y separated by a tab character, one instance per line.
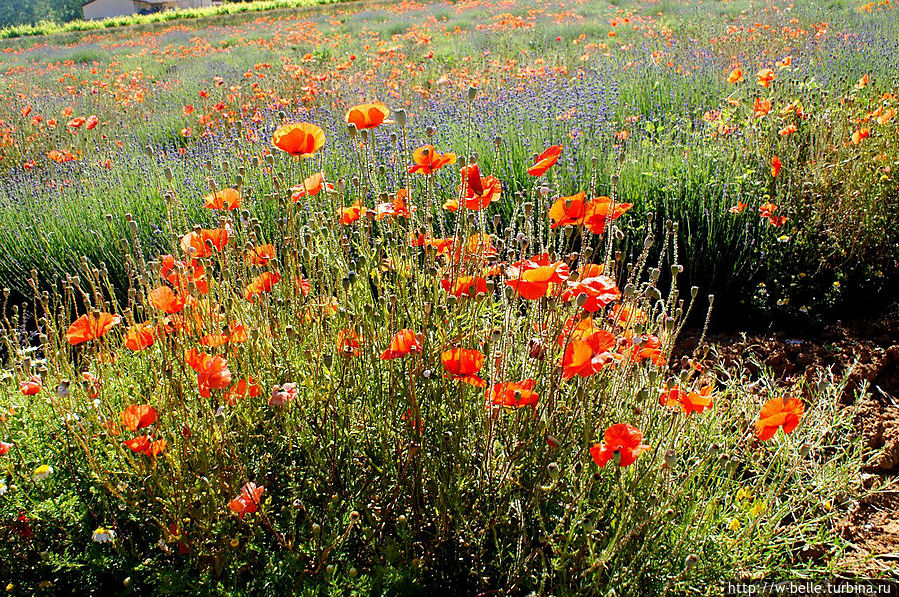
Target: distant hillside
27	12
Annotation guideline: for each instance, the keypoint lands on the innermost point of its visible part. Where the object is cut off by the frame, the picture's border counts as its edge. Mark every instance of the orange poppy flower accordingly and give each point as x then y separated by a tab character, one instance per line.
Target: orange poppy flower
623	440
140	336
600	210
311	187
779	412
428	160
513	394
545	161
860	135
212	371
89	327
531	278
165	299
587	356
600	291
32	386
735	76
568	211
479	191
348	343
787	130
348	215
403	342
464	364
767	209
761	107
644	348
302	139
138	416
465	286
226	199
92	122
260	255
263	283
738	208
368	116
764	77
248	501
689	402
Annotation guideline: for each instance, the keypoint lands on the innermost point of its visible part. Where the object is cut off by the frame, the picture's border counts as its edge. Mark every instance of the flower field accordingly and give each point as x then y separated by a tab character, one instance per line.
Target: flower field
391	297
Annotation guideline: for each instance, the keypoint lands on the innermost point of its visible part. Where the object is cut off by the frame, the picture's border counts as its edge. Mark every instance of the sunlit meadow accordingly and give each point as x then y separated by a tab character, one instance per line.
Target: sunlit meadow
381	298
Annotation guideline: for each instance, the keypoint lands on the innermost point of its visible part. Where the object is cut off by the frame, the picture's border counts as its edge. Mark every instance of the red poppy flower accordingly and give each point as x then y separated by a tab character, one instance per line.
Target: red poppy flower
531	278
860	135
368	116
89	327
140	336
226	199
263	283
395	208
403	342
776	165
300	139
480	191
599	290
242	389
465	286
622	439
589	355
4	448
146	445
212	371
199	243
513	394
165	299
568	211
348	342
138	416
92	122
464	364
181	274
32	386
779	412
738	208
260	255
600	210
428	160
545	161
248	501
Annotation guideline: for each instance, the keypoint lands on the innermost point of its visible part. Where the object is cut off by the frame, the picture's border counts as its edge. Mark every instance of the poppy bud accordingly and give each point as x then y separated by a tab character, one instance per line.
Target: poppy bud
329	569
670	459
316	529
472	93
353	573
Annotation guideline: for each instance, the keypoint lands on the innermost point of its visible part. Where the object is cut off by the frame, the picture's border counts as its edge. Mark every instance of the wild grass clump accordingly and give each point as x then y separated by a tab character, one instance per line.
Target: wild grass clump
400	388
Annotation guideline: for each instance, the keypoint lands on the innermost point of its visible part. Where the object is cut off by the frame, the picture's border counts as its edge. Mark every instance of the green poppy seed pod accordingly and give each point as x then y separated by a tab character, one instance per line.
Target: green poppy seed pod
654	274
430	131
132	226
400	117
553	470
226	166
670	459
616	457
149	150
364	134
167	172
805	450
509	292
589	524
498	141
582	299
238	180
674	270
451	302
329	569
316	529
694	290
528	208
733	463
472	93
394	138
269	159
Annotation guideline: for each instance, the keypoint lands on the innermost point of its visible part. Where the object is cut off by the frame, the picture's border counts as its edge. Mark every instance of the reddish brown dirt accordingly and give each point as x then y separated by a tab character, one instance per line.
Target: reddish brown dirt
866	356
